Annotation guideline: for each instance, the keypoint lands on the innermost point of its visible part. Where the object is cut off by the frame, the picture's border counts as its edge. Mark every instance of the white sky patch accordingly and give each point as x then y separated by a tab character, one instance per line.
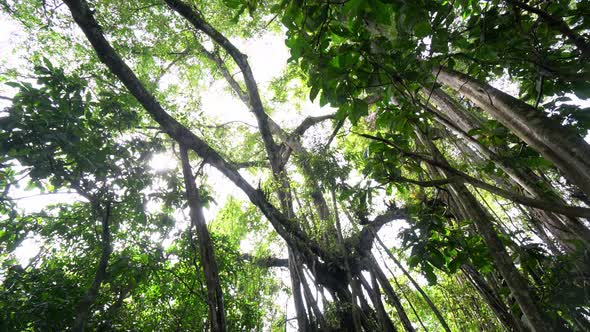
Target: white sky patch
163	162
36	201
10	36
28	249
267	56
219	104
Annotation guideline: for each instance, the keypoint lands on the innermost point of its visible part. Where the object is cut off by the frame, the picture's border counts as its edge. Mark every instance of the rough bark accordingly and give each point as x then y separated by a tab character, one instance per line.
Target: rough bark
208	262
556	143
473	211
564	228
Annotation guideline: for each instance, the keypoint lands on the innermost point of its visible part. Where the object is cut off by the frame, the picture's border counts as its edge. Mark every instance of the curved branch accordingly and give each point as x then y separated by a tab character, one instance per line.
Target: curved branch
309	122
558	24
286	228
369	232
195	18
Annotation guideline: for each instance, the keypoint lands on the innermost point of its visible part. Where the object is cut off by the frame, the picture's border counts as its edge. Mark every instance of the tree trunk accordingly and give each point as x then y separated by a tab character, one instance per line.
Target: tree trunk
565	229
349	276
302	319
508	320
313	304
85	304
214	292
556	143
473	211
431	305
393	298
375	295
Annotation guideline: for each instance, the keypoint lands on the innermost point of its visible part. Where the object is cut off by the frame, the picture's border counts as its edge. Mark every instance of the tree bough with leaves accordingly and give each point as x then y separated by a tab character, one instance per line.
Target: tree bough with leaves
420	124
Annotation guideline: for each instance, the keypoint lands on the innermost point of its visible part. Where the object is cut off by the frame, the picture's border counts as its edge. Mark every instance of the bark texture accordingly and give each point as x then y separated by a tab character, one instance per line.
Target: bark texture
214	292
460	121
556	143
472	210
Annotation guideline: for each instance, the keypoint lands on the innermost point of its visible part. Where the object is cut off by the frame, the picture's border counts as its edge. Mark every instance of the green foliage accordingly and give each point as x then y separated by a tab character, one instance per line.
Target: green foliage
72	127
443	244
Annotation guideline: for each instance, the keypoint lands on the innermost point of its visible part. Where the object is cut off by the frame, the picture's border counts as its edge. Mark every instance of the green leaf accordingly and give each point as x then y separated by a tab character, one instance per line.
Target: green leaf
353	7
315	89
429	274
437	259
422	29
359	109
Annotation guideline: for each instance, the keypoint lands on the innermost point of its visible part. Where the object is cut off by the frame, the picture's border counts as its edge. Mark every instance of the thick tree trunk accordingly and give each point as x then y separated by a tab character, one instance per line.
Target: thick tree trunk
85	305
565	229
214	292
473	211
375	294
556	143
393	298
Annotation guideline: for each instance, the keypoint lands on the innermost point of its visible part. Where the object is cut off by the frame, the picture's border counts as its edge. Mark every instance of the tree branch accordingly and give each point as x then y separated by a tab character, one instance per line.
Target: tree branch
85	304
195	18
215	58
558	24
368	233
572	211
309	122
254	163
266	262
286	228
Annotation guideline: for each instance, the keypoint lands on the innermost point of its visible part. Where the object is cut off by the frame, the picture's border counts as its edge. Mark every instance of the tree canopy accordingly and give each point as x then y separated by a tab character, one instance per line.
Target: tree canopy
412	166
